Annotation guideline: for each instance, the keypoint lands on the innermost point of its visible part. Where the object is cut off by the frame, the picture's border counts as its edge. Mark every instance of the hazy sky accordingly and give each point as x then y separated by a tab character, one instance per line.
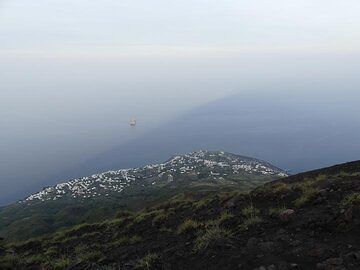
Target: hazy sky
110	25
72	73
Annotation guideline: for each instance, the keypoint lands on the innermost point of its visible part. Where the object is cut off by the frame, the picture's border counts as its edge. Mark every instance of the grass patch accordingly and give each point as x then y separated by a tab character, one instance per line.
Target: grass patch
165	230
85	253
251	214
250	211
188	226
280	187
35	259
225	217
214	236
275	211
10	262
126	240
308	193
249	222
351	200
201	204
148	262
123	214
160	218
61	264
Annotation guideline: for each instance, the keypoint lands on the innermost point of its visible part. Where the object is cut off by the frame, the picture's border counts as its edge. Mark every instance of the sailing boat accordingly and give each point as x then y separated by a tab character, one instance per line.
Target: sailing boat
133	122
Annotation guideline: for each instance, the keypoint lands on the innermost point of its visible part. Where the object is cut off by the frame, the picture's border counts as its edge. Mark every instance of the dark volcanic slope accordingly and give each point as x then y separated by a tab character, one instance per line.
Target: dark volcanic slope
309	221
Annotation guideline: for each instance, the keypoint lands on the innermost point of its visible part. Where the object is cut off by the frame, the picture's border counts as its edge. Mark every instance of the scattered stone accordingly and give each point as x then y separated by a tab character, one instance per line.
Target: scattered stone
272	267
252	243
282	235
230	204
348	215
316	252
296	243
286	215
267	246
331	264
352	257
322	192
283	266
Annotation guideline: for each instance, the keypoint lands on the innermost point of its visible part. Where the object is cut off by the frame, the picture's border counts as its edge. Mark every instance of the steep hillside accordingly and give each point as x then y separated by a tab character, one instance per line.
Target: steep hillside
308	221
96	197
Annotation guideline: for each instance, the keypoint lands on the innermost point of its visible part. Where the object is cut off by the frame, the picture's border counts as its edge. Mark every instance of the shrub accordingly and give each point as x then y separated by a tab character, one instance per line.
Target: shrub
280	187
61	263
351	200
251	215
187	226
165	230
201	204
142	216
148	262
90	255
275	211
250	211
35	259
51	251
126	240
214	236
250	221
123	214
10	262
224	218
308	193
160	218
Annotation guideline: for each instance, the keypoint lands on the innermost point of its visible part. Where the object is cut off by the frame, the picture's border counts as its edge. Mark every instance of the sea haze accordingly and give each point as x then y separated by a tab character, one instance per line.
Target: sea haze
65	112
287	129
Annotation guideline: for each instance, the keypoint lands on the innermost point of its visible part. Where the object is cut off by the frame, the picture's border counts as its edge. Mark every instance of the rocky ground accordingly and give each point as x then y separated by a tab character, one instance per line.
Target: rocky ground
307	221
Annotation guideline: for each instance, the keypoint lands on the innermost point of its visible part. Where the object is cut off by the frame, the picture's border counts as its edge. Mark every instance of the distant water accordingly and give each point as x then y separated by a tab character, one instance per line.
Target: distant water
294	132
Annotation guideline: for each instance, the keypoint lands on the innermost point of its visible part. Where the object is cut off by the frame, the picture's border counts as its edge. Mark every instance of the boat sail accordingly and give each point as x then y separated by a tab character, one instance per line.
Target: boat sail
133	122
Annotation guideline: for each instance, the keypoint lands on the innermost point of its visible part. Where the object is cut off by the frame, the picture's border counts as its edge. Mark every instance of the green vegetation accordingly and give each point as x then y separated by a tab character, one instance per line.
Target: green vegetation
10	262
22	221
280	187
308	193
188	226
309	189
207	229
214	236
123	214
148	262
250	211
351	200
275	211
160	217
126	240
224	218
62	263
251	217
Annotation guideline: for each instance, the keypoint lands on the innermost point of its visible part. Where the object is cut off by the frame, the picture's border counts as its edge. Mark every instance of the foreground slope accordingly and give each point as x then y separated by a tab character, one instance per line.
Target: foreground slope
308	221
99	196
